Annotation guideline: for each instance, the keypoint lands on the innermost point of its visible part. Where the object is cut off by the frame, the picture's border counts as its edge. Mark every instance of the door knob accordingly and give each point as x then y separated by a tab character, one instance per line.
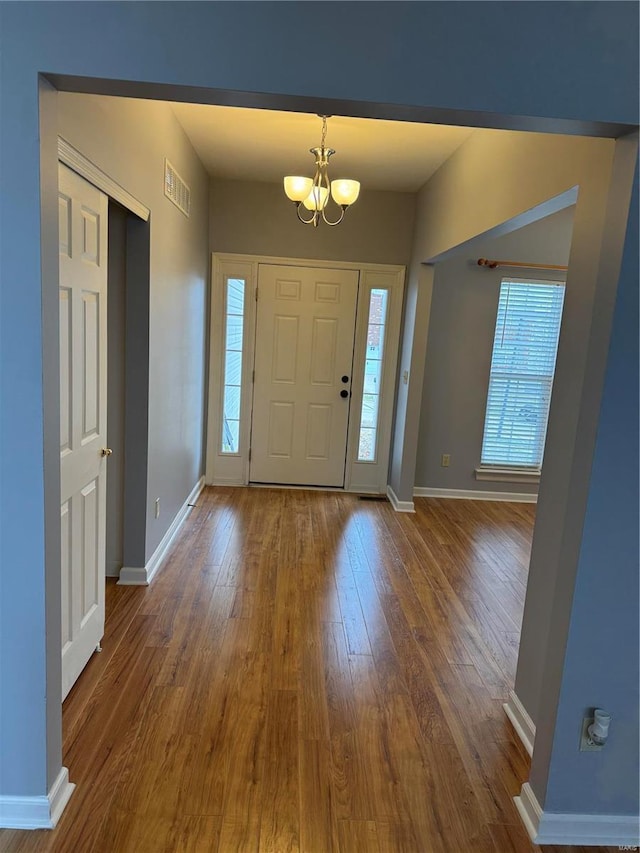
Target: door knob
344	393
345	379
106	451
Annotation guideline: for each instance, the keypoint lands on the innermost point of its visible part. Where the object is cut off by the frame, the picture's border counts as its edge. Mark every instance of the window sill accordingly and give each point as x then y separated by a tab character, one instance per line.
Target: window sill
507	475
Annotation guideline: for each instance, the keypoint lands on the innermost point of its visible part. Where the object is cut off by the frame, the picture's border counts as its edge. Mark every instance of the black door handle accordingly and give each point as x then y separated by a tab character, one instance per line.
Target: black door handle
344	393
345	379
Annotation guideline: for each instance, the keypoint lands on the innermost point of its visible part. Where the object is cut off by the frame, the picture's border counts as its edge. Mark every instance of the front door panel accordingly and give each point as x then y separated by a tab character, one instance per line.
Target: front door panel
304	346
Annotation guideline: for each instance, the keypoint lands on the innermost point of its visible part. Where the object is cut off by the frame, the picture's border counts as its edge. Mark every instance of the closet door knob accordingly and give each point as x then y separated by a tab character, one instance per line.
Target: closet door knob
106	451
344	393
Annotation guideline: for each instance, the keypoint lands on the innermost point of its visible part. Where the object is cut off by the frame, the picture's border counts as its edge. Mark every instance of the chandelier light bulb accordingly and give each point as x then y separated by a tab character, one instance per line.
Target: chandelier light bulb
317	198
345	191
297	188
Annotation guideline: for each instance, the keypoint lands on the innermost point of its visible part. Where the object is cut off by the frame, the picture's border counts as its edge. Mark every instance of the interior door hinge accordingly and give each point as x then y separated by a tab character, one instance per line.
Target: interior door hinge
256	294
253	376
249	454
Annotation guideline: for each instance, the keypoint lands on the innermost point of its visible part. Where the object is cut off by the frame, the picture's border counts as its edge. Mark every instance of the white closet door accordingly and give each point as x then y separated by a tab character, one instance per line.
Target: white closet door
303	360
83	417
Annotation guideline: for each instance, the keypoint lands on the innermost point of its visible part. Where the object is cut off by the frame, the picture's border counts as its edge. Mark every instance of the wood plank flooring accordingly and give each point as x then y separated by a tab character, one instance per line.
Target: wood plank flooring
308	672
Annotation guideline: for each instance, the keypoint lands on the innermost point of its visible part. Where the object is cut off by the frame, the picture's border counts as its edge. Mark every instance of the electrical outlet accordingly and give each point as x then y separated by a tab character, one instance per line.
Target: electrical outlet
586	744
445	459
157	507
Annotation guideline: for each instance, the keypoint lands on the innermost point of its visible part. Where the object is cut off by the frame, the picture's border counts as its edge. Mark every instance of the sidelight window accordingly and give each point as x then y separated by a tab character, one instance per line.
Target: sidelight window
370	411
234	329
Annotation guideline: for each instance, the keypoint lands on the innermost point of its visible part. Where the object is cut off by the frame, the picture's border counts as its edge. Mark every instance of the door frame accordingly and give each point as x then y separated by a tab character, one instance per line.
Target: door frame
232	469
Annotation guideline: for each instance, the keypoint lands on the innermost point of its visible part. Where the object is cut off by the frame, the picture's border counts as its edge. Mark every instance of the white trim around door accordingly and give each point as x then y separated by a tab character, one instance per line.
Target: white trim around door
80	164
228	457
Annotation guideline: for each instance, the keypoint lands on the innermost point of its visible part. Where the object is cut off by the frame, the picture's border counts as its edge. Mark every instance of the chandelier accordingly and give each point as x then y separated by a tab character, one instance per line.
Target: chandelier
312	194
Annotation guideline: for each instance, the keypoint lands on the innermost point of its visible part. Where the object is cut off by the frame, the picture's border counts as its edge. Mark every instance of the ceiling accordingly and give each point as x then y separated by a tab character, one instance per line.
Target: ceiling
266	145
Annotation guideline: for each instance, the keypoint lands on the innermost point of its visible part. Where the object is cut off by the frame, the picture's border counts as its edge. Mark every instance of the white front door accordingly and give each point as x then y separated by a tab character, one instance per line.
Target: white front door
303	361
83	417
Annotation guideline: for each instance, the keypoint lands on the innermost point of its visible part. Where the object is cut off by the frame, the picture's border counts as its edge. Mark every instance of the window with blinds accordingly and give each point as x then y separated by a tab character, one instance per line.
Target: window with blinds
522	367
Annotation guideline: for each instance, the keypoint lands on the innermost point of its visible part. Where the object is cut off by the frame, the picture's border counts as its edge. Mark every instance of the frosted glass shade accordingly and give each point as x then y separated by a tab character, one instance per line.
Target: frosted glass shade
345	191
297	188
317	198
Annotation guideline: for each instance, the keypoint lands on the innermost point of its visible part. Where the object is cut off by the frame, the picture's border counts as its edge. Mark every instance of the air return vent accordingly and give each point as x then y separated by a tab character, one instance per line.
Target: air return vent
176	190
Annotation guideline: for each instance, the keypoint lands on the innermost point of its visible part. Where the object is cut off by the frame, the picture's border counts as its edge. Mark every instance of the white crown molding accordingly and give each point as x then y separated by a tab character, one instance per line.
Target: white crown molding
72	158
398	505
579	829
521	721
143	575
37	812
474	495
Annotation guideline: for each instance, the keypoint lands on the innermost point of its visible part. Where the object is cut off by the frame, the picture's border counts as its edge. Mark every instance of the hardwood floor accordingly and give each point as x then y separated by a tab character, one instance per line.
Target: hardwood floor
308	671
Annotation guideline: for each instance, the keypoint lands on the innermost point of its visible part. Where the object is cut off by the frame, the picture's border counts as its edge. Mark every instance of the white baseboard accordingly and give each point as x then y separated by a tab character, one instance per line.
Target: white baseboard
474	495
521	721
59	795
37	812
579	829
143	575
133	576
398	505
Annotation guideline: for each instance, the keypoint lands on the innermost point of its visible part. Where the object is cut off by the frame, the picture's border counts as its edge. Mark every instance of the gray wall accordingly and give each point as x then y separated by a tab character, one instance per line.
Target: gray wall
579	643
601	664
129	140
573	62
116	320
460	342
249	217
494	183
489	185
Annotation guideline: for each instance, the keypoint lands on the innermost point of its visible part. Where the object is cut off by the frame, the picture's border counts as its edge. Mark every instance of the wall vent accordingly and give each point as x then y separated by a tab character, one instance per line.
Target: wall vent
175	189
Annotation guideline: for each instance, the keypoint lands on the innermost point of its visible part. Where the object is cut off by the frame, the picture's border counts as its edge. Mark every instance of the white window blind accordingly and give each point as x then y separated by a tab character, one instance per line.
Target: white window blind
522	367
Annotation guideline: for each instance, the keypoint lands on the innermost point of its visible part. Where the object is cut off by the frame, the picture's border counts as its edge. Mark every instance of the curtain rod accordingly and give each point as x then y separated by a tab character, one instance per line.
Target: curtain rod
484	262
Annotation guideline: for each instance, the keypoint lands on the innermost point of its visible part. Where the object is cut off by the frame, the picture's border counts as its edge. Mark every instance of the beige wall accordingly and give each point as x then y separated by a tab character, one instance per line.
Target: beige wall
257	219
